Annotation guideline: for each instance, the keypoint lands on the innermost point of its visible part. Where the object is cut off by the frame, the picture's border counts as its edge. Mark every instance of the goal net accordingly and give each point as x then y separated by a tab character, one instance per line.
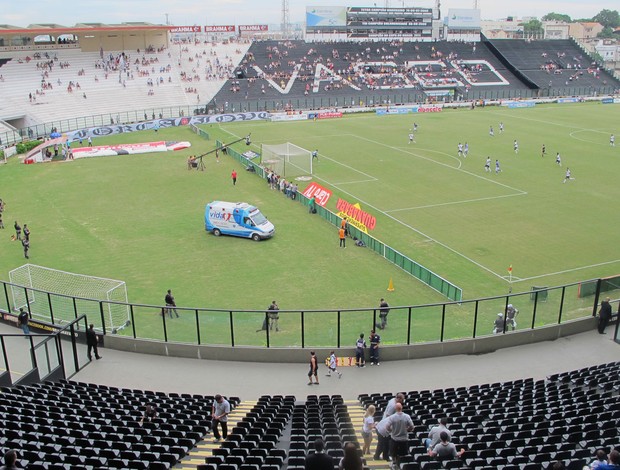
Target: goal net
69	293
287	160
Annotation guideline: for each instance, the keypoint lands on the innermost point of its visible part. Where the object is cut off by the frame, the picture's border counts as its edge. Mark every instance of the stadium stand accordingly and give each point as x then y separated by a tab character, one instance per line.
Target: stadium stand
553	63
88	425
521	424
68	83
295	70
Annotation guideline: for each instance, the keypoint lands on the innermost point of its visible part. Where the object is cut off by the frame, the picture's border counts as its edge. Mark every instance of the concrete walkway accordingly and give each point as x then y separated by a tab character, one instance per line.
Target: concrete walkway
250	380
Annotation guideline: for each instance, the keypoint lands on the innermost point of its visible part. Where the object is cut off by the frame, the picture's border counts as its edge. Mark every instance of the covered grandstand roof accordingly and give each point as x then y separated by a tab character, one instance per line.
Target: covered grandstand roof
42	28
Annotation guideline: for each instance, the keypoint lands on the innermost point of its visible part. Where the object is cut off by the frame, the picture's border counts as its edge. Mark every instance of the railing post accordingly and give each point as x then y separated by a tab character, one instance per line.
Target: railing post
6	296
303	331
49	303
561	305
197	327
475	320
133	321
163	319
409	326
102	315
535	306
266	323
443	321
232	329
599	283
338	341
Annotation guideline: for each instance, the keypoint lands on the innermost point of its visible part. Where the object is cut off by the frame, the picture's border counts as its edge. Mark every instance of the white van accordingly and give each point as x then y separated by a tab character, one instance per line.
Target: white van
239	219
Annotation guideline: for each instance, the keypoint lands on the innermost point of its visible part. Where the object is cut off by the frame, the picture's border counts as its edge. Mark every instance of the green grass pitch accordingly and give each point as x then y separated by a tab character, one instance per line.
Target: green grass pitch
140	218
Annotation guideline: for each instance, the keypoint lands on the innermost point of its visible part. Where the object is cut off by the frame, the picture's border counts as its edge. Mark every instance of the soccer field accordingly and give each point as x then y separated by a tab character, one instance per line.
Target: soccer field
140	218
466	224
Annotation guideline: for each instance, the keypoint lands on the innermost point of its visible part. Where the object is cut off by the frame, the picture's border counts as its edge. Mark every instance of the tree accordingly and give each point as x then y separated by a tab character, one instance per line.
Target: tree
608	18
608	32
533	28
553	16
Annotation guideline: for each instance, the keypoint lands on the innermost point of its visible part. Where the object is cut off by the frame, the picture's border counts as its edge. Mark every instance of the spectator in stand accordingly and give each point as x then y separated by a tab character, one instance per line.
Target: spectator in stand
219	415
601	458
10	461
445	450
150	413
319	460
368	426
613	462
434	434
383	439
390	408
351	459
399	426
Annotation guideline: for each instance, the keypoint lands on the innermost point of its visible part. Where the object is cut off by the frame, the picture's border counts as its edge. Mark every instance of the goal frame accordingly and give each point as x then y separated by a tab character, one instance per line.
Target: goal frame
107	297
283	153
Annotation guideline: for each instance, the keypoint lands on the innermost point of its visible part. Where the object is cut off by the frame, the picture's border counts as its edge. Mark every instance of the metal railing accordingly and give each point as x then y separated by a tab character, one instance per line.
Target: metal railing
406	325
42	357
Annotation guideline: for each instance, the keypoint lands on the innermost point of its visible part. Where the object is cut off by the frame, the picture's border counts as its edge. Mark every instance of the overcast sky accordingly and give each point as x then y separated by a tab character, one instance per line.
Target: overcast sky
222	12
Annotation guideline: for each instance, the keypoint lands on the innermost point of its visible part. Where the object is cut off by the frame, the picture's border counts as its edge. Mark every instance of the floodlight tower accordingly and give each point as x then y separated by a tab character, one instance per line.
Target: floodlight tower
285	26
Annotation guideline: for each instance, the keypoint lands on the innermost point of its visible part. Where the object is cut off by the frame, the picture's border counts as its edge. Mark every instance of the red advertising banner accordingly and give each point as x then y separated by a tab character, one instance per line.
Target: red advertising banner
320	194
429	109
185	29
253	27
220	29
329	115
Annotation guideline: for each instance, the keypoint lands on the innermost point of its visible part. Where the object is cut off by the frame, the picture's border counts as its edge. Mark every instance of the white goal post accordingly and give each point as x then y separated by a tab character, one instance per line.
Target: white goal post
69	292
287	160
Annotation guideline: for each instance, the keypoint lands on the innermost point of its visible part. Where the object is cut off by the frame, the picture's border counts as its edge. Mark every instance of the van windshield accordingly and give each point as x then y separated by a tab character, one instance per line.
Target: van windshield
258	218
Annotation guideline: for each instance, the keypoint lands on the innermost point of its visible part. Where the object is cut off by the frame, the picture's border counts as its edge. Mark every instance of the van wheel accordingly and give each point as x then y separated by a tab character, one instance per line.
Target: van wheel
216	232
255	237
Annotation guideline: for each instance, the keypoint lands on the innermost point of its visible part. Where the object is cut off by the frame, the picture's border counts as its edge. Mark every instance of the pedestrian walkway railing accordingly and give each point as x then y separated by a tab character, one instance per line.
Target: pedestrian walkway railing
539	307
37	356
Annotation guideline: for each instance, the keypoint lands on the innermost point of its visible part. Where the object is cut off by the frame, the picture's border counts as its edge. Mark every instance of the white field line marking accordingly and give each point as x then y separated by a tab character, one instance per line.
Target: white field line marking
355	182
464	201
415	230
570	270
551	123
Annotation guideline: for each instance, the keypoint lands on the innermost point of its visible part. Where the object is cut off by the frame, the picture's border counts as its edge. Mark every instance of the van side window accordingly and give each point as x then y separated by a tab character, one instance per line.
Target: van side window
248	221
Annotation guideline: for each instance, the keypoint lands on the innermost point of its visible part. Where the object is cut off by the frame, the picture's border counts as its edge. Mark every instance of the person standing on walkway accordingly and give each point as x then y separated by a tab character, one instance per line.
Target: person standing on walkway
314	369
22	321
604	315
375	340
360	351
219	415
171	304
92	342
